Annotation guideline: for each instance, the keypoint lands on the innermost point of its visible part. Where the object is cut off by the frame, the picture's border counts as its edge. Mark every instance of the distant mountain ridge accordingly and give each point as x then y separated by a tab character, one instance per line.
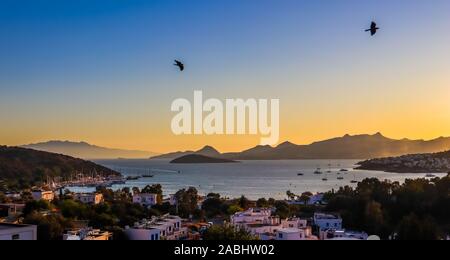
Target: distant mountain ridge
87	151
346	147
205	151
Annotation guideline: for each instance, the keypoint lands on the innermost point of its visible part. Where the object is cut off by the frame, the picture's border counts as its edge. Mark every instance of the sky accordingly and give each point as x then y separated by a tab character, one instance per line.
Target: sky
101	71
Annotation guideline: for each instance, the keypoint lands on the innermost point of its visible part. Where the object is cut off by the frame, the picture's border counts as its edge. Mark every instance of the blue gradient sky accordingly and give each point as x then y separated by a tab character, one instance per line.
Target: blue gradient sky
101	71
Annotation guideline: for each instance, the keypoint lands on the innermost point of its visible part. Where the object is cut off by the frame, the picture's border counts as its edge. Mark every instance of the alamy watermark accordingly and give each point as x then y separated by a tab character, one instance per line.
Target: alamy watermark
234	117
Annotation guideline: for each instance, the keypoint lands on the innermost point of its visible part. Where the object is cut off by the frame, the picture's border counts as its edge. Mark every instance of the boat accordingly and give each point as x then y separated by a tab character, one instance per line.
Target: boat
133	178
328	171
324	179
354	182
300	174
318	171
430	176
340	178
147	176
344	170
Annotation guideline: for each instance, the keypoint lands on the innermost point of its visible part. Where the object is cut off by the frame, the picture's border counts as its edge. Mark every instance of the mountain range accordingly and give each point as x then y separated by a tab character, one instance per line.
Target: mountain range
346	147
87	151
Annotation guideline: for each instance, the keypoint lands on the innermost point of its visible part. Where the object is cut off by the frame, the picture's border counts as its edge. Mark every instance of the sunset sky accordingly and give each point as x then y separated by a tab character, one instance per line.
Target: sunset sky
102	71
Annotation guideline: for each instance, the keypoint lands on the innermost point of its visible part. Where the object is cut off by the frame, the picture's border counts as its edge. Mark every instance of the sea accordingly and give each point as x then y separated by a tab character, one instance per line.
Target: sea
253	179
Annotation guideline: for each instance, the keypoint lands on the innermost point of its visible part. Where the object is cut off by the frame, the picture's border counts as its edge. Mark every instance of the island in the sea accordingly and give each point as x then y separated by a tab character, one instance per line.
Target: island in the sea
413	163
197	159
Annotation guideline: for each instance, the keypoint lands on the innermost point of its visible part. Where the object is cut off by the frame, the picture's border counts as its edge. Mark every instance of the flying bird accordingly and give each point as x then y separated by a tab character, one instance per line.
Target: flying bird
373	29
179	65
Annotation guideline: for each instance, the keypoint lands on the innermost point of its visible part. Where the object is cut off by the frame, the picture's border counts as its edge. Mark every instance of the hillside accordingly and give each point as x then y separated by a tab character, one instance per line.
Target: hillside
346	147
413	163
20	167
205	151
87	151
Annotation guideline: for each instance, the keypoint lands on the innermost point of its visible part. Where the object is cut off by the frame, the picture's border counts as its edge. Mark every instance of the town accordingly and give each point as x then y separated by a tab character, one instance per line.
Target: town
416	163
46	214
148	214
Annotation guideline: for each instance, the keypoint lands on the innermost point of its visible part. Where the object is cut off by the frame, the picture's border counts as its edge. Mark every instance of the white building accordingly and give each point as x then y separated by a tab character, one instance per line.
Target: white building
158	228
261	223
43	195
294	223
327	221
295	234
145	199
316	199
17	232
343	235
87	234
89	198
253	216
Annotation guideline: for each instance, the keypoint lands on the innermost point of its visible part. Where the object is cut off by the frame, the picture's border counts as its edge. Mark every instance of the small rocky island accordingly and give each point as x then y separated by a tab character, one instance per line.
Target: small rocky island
413	163
197	159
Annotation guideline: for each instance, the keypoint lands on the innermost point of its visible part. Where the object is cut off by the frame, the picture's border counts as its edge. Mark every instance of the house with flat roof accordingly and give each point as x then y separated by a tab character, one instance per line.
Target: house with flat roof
261	223
145	199
17	232
166	227
327	221
43	195
87	234
89	198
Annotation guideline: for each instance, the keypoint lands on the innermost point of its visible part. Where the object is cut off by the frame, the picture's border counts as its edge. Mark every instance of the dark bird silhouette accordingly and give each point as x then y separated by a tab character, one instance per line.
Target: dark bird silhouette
373	29
179	65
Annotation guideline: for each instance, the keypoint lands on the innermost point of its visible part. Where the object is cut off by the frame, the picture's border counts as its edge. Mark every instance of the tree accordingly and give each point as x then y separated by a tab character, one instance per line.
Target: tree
73	209
282	209
413	228
243	202
187	201
233	209
213	206
49	227
305	197
33	206
227	233
262	203
374	218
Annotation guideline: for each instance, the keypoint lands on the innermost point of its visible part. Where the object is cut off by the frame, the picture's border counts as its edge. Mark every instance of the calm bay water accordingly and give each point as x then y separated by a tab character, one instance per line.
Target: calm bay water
254	179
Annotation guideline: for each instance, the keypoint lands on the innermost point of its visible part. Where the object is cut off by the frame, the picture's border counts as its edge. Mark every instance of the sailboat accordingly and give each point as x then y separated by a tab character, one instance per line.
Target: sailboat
325	178
318	171
354	181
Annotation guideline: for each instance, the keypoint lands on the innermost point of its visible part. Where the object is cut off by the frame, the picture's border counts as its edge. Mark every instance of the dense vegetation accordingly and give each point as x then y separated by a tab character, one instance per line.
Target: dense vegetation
22	168
417	209
227	233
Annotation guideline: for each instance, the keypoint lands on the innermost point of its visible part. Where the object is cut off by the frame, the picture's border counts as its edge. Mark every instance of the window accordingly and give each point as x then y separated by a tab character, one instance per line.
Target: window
280	235
15	237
